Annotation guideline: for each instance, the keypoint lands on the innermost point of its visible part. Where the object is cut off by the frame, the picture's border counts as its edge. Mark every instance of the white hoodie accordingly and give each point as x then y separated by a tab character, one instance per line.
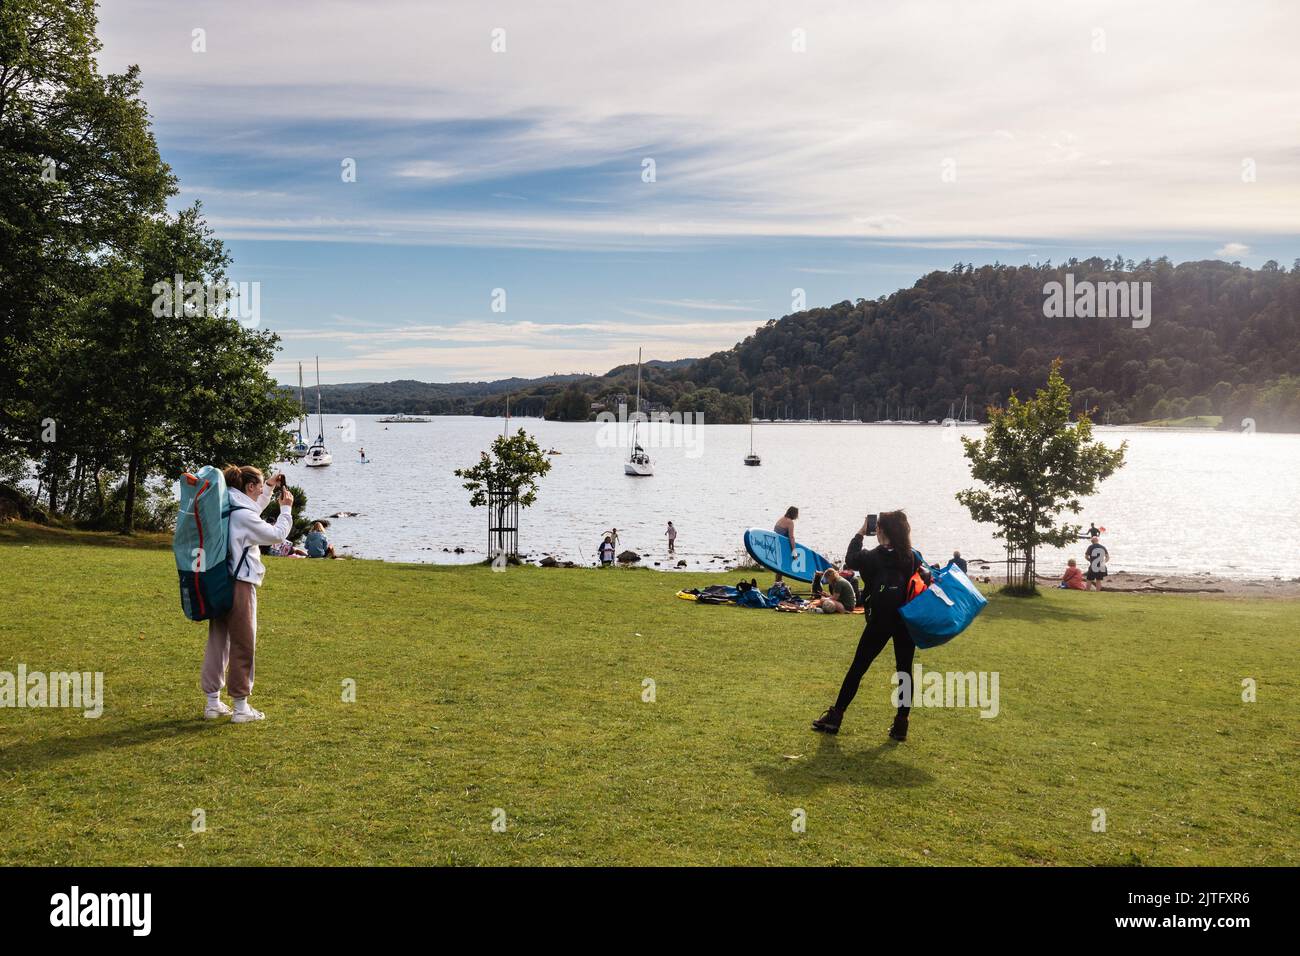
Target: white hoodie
248	530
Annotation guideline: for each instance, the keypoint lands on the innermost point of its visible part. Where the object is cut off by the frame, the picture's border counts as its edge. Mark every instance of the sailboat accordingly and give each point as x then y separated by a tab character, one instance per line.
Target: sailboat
950	422
318	455
964	420
299	446
638	463
751	458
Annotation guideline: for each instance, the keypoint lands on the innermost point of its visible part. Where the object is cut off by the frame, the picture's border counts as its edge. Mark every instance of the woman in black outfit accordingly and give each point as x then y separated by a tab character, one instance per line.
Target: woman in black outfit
886	572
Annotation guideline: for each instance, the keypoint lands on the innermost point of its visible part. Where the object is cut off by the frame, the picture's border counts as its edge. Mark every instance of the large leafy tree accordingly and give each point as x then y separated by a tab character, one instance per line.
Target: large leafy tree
1036	464
81	170
189	389
92	381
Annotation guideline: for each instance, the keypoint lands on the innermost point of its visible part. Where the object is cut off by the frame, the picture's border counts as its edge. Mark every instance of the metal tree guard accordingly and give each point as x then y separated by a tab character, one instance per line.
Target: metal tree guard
503	522
1020	569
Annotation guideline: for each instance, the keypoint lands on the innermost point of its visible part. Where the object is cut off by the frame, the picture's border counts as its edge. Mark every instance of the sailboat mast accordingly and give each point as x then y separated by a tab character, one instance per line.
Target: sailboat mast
638	383
302	408
320	421
751	423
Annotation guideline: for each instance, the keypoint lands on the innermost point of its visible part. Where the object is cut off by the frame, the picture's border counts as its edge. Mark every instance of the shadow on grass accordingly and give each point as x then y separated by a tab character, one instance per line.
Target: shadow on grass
36	754
878	767
1004	607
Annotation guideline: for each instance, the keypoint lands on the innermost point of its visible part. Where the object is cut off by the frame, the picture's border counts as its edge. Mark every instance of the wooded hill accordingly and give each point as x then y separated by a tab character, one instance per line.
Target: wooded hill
1222	339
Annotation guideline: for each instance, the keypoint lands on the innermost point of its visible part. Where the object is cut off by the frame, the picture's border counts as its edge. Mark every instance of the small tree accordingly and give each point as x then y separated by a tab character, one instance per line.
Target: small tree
1035	466
504	481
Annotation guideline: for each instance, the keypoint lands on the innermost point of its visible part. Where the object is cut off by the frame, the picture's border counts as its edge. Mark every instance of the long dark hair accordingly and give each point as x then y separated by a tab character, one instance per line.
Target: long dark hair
899	532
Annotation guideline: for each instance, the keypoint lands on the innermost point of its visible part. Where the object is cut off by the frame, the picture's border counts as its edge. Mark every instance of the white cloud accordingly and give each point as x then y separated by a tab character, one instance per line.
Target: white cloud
1232	250
750	139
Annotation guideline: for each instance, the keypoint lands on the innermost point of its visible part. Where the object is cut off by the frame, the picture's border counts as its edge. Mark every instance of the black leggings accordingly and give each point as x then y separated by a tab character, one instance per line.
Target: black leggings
874	637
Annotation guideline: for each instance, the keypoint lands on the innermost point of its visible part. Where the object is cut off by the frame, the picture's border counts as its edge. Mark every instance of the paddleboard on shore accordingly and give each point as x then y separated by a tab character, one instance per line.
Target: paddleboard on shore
772	551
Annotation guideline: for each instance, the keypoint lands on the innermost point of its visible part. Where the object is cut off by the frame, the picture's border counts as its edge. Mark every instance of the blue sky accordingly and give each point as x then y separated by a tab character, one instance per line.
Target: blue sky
829	147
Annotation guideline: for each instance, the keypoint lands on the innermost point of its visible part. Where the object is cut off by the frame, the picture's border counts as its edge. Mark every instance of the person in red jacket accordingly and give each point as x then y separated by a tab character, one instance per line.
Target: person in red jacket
1072	579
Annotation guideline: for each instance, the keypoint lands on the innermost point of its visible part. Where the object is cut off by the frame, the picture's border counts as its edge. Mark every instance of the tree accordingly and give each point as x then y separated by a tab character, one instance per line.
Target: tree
570	405
1035	465
92	380
80	168
503	481
177	391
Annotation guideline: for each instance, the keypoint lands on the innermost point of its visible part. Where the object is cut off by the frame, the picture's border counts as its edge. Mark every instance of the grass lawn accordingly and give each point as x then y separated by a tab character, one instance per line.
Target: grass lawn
1191	421
523	691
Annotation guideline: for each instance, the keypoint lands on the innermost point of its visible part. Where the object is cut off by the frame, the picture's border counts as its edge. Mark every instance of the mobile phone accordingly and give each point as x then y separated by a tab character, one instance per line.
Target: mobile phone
871	523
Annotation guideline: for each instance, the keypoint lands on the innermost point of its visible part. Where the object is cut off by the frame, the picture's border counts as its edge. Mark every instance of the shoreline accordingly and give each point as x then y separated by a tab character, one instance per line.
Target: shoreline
1127	582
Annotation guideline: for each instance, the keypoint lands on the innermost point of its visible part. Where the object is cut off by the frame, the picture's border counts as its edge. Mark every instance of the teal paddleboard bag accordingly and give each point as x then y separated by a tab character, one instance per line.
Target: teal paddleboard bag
944	609
201	543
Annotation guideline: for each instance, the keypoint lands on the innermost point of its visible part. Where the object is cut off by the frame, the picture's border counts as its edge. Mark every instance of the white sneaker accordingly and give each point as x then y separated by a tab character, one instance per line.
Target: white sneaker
246	716
219	709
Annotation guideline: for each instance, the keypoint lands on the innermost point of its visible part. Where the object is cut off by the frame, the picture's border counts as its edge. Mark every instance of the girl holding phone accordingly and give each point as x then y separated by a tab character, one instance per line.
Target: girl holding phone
886	571
232	638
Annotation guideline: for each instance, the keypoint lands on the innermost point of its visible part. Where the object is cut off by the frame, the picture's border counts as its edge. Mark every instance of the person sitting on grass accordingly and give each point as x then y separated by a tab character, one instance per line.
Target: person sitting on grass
318	545
287	549
1072	579
842	597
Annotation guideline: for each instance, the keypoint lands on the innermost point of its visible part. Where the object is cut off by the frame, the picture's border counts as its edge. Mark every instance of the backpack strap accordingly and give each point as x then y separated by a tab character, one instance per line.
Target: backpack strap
225	513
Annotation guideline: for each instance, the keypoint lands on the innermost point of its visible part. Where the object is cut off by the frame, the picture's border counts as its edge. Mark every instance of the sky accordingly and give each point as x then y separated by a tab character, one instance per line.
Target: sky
544	187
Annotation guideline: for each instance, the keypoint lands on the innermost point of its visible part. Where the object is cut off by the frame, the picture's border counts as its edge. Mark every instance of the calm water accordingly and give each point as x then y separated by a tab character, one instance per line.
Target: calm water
1185	502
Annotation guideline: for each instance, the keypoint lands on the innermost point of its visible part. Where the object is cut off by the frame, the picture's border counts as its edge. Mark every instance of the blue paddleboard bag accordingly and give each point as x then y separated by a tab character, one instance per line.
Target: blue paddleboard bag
944	609
201	542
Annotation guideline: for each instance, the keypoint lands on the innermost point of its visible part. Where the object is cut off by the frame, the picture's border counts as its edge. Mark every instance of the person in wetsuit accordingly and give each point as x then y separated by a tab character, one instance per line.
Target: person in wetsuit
886	571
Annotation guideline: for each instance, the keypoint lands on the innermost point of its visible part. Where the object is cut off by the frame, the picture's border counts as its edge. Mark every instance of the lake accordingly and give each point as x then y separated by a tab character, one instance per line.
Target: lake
1187	501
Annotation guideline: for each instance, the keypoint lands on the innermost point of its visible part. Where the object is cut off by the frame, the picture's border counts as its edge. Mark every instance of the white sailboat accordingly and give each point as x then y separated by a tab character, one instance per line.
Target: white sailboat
638	463
299	447
950	422
751	458
964	420
318	455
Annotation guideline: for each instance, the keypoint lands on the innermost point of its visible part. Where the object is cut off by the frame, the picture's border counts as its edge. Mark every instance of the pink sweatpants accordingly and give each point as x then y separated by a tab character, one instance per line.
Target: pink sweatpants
232	644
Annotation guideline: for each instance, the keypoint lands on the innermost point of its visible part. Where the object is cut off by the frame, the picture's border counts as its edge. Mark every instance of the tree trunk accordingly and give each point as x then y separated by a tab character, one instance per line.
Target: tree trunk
78	486
132	471
54	484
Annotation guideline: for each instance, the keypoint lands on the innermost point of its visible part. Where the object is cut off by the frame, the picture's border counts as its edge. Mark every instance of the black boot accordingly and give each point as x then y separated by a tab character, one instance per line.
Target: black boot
829	722
899	730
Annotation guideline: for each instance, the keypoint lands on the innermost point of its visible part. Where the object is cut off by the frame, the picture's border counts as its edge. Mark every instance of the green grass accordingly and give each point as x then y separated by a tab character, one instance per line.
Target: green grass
1191	421
523	691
